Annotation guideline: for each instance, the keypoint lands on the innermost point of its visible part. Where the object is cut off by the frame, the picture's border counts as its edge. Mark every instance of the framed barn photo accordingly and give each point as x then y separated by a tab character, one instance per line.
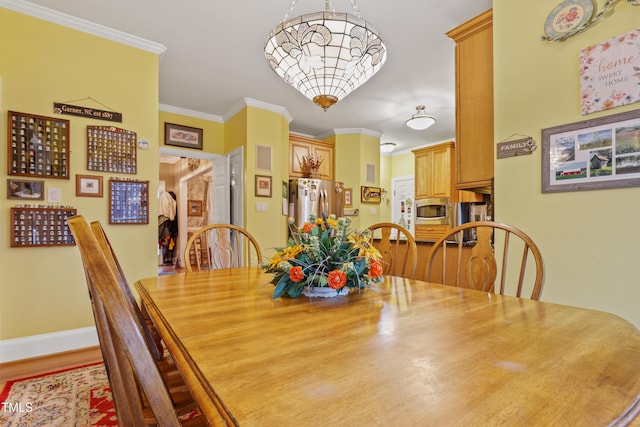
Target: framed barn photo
182	136
592	154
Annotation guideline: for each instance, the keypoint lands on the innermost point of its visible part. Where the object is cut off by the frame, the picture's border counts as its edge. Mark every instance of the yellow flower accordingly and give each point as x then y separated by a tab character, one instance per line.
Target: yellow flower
332	222
365	247
285	255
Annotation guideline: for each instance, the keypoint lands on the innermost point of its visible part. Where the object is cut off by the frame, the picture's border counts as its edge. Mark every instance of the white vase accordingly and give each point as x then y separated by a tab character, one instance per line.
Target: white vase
323	292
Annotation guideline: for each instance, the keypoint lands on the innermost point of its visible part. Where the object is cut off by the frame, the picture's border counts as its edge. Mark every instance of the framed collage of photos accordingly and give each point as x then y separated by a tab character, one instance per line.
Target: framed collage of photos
38	146
111	149
128	201
41	226
592	154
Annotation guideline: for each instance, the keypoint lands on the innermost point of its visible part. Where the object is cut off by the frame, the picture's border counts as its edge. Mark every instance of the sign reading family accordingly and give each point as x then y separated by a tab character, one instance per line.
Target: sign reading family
74	110
610	73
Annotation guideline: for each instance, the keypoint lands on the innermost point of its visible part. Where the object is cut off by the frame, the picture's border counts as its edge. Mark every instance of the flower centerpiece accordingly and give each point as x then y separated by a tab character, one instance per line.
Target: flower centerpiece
311	163
324	253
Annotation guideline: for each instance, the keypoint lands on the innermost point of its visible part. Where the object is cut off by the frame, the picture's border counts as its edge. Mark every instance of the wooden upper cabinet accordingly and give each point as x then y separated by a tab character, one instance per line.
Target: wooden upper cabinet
300	146
474	102
433	171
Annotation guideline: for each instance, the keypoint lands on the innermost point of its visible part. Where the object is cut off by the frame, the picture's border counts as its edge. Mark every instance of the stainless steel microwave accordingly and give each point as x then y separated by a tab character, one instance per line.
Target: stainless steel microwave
433	211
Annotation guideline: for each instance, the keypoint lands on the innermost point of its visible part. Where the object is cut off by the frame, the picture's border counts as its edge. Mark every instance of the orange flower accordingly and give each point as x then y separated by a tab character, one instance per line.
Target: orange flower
307	227
375	269
296	274
337	279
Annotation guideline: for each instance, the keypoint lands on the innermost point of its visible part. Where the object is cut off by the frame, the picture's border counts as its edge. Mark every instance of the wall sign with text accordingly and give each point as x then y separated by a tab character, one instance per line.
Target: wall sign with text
610	73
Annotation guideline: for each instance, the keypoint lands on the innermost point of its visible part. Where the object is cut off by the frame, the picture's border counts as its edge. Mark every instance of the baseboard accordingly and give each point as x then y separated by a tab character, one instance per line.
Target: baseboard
41	345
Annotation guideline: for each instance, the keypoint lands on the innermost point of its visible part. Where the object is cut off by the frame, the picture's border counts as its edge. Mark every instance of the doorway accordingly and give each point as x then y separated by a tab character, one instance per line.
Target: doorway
207	181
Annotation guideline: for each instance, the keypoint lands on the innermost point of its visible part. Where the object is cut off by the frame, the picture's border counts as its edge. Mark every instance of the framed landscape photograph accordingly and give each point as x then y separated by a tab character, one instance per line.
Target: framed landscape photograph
263	186
20	189
182	136
88	185
592	154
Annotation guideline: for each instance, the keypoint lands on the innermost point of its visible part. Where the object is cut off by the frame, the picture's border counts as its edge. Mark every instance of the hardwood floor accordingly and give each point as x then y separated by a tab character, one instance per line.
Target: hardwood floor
40	365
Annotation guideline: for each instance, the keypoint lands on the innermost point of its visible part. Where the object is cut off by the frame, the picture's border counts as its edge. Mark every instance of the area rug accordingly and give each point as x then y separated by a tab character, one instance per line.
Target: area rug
79	397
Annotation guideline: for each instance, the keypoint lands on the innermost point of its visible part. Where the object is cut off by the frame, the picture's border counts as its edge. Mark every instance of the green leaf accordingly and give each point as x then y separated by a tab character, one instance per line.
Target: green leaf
281	287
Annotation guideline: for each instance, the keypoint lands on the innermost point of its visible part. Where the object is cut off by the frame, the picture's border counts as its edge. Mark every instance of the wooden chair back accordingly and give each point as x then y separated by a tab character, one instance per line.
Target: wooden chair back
149	332
398	249
500	252
217	246
127	357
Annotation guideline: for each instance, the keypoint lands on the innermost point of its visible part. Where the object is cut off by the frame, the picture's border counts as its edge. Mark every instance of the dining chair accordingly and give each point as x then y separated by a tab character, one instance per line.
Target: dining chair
492	255
217	246
141	389
397	247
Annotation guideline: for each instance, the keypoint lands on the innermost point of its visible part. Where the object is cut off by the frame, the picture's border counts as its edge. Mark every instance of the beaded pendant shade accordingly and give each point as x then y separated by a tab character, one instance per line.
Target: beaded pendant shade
325	55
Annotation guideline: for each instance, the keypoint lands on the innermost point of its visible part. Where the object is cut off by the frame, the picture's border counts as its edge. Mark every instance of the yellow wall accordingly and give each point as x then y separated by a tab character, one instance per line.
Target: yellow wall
43	289
589	239
352	153
269	129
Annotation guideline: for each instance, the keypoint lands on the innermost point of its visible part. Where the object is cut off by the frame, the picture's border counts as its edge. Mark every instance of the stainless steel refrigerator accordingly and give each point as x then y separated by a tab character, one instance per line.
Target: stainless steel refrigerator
314	196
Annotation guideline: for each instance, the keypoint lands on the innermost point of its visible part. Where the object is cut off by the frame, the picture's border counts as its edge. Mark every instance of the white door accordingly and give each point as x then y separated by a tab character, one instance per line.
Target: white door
221	192
402	205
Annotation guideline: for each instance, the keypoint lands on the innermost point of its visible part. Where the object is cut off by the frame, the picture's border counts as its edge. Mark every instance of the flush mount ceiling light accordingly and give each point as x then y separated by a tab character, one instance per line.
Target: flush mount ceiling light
420	120
325	55
387	147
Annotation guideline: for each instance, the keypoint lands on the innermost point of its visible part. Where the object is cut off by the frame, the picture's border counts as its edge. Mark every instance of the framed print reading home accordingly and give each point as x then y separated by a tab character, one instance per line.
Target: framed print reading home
182	136
592	154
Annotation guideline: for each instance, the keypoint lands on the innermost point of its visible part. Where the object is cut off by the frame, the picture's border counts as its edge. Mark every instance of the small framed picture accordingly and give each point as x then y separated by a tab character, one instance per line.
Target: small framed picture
263	186
25	189
182	136
195	207
348	200
370	194
88	185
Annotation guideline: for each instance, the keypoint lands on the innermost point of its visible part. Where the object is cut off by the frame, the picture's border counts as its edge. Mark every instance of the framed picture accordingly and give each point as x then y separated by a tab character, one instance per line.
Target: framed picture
592	154
263	186
128	201
194	207
182	136
370	194
88	185
348	194
25	189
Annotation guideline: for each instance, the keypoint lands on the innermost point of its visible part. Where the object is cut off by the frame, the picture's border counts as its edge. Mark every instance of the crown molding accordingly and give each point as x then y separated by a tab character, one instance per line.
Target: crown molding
250	102
190	113
349	131
79	24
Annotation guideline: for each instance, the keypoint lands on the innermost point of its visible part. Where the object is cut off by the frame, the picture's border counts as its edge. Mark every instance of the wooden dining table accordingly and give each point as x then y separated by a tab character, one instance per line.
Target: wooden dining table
406	353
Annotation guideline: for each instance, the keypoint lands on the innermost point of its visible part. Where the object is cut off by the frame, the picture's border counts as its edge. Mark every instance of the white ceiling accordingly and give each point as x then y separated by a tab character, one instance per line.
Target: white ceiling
214	59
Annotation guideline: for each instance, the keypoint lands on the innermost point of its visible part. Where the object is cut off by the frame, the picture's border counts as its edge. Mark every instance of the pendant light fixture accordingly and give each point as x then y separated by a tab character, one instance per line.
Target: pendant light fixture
420	120
325	55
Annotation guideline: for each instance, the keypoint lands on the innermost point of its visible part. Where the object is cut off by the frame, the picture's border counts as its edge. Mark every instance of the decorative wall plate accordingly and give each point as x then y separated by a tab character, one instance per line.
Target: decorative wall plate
567	18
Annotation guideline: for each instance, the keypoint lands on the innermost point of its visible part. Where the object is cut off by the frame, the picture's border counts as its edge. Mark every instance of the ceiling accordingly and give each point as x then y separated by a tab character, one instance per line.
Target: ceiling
214	59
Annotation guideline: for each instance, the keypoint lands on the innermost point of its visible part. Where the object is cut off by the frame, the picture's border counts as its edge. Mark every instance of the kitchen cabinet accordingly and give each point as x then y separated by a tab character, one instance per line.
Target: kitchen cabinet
433	171
300	146
474	102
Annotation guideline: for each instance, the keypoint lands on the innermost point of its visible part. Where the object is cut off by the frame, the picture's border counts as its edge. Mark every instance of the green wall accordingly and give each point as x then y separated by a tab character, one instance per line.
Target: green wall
590	240
43	289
